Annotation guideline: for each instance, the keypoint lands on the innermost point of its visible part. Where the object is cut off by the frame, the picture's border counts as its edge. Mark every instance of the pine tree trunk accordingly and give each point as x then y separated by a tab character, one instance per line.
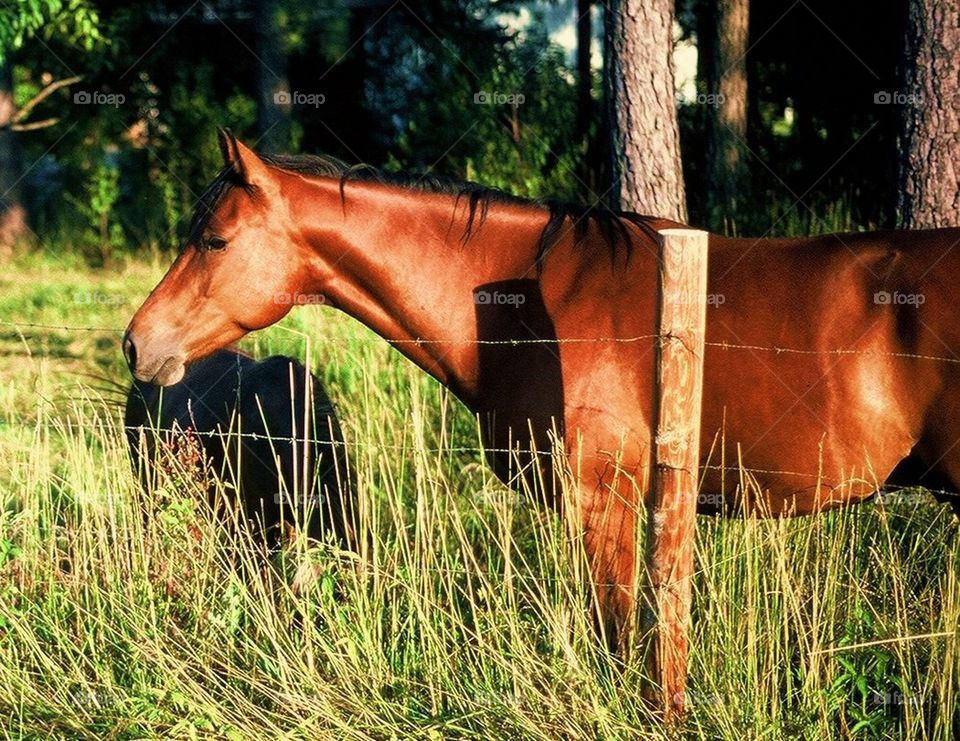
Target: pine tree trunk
929	194
13	216
728	176
273	89
639	81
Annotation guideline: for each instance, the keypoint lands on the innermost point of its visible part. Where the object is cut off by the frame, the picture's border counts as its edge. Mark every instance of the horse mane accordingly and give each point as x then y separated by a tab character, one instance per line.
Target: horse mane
614	226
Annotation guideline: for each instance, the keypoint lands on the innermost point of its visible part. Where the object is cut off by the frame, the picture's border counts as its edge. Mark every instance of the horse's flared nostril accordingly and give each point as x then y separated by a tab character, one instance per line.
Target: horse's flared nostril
130	351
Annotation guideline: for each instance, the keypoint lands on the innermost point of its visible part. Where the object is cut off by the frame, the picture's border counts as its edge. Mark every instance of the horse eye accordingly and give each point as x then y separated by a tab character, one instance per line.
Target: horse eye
216	244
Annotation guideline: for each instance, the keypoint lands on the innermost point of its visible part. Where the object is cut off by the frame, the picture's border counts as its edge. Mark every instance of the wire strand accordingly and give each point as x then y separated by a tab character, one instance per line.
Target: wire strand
779	350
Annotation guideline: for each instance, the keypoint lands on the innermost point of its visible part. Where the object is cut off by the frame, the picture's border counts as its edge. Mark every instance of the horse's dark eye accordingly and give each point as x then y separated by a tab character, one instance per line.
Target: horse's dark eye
215	244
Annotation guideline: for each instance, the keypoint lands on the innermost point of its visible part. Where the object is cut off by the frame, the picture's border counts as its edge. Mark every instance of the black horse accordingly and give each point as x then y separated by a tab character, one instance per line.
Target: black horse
289	451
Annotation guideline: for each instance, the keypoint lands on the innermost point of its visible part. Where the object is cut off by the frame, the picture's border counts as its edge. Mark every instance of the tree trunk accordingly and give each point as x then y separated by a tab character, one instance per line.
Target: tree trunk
641	101
13	216
273	89
929	193
728	176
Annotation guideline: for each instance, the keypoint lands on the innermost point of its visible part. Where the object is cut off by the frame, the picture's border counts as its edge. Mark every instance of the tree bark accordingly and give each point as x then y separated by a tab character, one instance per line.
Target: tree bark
728	177
639	86
13	216
929	193
273	89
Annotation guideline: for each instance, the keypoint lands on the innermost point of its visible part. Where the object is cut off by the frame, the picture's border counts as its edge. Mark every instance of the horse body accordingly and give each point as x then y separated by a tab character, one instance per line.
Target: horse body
815	388
814	428
265	427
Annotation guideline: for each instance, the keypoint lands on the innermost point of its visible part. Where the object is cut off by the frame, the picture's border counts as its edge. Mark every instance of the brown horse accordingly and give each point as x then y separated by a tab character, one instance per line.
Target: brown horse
832	361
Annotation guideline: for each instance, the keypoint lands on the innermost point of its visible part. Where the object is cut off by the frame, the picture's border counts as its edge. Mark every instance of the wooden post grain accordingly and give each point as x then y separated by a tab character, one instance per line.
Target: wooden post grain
671	524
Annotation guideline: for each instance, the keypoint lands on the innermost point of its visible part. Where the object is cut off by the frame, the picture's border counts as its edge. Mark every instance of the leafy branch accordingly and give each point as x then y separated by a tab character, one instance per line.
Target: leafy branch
16	122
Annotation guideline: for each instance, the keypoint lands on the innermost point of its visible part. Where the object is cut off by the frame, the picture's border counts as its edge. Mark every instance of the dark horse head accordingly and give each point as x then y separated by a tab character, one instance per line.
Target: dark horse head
265	428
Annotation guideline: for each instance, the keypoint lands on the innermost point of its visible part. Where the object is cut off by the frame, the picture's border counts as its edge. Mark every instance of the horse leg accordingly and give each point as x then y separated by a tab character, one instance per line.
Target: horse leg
609	528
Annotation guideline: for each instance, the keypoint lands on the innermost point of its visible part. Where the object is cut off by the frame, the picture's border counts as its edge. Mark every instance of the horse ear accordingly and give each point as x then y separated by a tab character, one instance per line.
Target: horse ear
228	146
245	162
252	169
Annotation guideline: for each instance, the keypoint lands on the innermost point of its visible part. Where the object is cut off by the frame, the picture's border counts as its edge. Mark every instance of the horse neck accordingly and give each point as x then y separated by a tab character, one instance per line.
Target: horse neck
395	260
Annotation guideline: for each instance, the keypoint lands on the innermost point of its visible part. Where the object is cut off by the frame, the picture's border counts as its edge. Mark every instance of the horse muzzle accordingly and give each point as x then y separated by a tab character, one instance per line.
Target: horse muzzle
162	369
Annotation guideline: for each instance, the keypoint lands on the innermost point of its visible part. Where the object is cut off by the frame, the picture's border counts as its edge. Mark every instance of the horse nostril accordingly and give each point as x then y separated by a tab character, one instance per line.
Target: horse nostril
130	351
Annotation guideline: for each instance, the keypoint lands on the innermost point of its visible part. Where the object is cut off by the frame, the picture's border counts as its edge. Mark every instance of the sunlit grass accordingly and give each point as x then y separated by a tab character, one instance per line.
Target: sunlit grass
130	613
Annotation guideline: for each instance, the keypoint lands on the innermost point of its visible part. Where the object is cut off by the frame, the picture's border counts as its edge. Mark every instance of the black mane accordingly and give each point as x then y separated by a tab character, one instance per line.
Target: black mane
613	225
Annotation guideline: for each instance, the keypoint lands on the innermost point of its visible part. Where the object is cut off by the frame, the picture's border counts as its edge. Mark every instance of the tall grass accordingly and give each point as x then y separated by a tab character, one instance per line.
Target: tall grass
127	613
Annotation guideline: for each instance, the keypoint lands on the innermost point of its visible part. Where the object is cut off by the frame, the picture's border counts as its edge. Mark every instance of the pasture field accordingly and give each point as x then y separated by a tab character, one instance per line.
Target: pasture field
126	614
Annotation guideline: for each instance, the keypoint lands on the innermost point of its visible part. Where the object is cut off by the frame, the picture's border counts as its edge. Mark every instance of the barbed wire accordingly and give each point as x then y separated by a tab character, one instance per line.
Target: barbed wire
838	351
69	328
516	451
231	436
508	492
344	340
479	449
723	345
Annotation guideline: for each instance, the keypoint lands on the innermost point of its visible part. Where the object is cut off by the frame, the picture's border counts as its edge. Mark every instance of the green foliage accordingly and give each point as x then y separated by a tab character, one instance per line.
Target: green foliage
76	22
183	153
507	109
869	688
474	90
525	147
8	551
98	208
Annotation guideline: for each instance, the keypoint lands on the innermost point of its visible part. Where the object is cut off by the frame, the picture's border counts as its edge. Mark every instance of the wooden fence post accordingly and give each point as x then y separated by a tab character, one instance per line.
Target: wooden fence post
671	525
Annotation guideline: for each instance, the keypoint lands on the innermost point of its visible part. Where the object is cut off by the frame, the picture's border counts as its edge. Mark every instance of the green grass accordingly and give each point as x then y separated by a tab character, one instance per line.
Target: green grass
129	614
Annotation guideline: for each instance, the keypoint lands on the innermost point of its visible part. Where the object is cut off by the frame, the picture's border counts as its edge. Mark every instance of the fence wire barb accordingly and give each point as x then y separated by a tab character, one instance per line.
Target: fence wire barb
230	436
724	345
